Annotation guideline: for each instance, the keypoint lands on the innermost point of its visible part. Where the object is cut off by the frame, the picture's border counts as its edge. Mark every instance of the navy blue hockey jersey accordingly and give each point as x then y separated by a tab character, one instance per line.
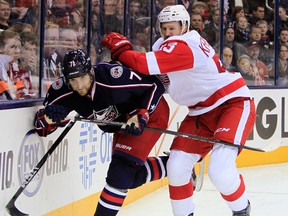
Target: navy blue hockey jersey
116	92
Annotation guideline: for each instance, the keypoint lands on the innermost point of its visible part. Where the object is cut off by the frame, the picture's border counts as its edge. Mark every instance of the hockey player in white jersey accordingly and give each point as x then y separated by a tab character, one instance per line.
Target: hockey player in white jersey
219	103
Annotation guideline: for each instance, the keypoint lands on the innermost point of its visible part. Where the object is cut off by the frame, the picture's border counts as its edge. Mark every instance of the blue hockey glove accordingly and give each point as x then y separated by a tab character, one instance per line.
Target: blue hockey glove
44	127
136	123
56	112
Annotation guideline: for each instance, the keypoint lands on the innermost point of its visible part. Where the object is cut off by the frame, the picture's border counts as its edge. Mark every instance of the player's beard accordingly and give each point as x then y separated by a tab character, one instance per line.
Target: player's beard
84	92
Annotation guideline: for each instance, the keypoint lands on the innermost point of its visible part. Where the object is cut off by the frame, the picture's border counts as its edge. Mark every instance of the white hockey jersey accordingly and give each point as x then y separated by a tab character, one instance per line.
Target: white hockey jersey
197	77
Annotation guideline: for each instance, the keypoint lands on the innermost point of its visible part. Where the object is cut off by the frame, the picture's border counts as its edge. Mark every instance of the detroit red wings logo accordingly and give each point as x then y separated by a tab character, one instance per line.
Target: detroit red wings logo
116	72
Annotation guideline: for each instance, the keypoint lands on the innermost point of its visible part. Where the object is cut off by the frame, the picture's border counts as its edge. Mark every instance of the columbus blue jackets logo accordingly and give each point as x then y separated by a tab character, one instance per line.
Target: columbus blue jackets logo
116	72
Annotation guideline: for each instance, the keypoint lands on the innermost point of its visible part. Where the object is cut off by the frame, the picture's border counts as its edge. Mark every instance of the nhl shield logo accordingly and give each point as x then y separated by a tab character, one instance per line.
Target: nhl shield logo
116	72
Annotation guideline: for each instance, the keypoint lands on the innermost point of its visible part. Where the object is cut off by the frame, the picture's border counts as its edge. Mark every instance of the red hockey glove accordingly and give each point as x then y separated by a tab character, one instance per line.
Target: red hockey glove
136	123
117	44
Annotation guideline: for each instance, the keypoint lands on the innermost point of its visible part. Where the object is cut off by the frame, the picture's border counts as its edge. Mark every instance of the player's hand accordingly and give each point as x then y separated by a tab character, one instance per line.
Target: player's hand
117	44
56	112
45	125
136	123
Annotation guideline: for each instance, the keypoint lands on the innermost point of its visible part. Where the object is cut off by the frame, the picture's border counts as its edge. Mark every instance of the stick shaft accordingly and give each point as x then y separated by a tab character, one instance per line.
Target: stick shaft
11	203
175	133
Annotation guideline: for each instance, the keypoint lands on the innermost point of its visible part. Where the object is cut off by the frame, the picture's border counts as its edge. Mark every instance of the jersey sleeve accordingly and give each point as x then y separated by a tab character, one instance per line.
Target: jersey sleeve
127	88
56	94
174	55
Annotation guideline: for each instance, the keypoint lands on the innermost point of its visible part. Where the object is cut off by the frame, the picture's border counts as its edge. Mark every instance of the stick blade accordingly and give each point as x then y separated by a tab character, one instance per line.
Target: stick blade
12	210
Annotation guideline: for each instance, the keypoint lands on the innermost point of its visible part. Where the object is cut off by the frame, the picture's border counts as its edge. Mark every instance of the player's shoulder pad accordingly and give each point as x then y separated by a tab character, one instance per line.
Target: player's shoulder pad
59	86
115	69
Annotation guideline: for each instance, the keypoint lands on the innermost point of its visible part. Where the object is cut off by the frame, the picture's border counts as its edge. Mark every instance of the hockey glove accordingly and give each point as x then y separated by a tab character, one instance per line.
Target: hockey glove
117	44
56	112
44	126
136	123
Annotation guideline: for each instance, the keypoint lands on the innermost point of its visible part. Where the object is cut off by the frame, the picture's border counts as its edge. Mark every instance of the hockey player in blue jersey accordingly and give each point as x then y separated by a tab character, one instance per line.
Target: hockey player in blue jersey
111	92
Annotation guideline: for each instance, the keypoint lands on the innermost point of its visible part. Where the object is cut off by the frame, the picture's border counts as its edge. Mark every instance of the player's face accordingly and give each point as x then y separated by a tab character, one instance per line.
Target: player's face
169	29
81	85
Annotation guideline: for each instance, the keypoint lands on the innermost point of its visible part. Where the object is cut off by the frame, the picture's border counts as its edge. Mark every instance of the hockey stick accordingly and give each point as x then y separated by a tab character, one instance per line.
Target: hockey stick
10	207
200	177
181	134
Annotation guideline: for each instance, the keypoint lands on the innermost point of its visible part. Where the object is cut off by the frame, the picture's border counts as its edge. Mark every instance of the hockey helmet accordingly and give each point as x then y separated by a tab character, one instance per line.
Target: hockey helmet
175	13
76	64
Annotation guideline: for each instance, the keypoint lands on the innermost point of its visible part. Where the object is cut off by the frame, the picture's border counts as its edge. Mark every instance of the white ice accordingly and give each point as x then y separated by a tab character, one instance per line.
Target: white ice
267	187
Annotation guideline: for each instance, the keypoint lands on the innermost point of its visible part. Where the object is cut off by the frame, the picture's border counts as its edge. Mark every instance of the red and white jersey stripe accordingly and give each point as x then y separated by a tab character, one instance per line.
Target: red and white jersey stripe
197	77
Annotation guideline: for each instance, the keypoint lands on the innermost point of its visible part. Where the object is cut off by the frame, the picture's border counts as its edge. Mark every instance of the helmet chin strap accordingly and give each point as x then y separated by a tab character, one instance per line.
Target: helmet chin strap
184	29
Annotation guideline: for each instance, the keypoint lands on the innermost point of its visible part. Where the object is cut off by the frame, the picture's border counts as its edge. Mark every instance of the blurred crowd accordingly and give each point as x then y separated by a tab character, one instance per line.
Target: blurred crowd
248	37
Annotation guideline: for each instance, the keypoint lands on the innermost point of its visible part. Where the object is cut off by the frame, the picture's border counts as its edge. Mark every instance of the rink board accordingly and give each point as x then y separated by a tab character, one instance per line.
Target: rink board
70	181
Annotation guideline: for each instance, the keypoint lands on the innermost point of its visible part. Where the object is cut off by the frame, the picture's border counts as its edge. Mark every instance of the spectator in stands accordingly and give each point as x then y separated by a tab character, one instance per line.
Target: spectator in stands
258	13
19	10
237	48
135	6
212	29
60	12
96	7
80	31
242	30
259	70
164	3
266	50
21	27
227	59
77	13
266	35
238	11
234	4
283	17
26	11
141	39
255	33
28	62
200	8
120	10
67	41
187	4
10	45
4	67
213	4
5	12
283	65
52	59
244	66
283	36
196	23
110	20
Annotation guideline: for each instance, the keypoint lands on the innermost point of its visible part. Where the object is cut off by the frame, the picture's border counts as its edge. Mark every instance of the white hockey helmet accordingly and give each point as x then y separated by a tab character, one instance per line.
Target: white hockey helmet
175	13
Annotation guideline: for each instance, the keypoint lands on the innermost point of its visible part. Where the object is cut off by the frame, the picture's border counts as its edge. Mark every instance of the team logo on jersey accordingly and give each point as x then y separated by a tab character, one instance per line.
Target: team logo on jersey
108	114
116	72
57	84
